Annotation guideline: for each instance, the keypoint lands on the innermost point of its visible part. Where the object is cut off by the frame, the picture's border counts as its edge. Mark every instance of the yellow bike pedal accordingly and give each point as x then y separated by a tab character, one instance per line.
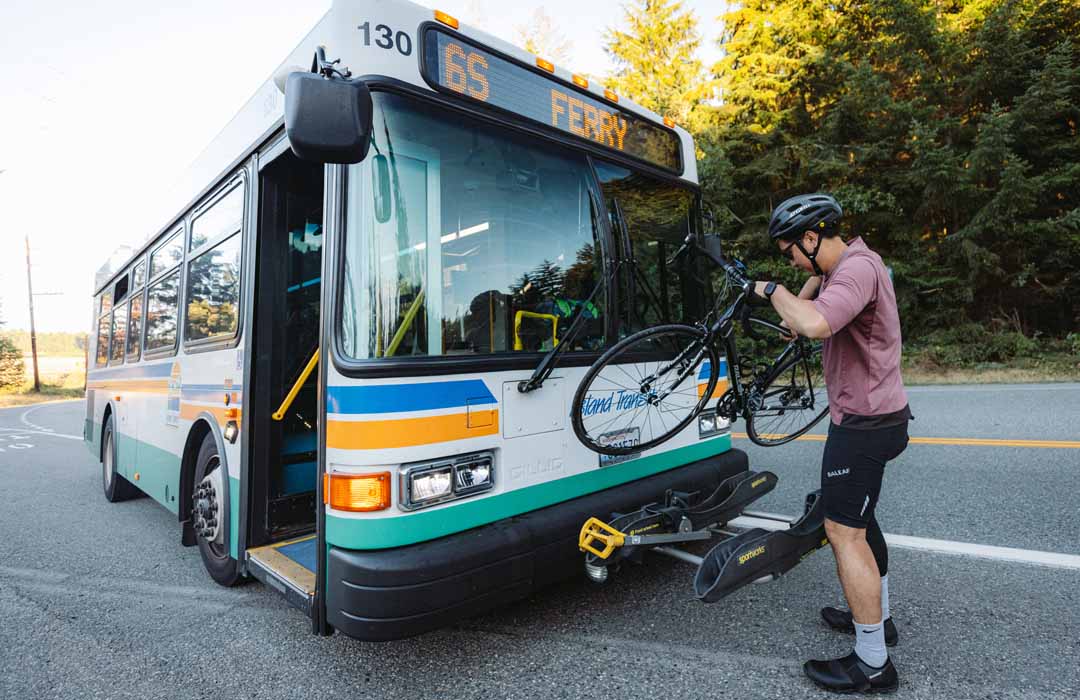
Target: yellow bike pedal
597	531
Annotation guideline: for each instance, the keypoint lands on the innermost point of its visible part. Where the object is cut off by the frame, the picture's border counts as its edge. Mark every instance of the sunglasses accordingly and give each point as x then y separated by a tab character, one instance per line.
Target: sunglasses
786	251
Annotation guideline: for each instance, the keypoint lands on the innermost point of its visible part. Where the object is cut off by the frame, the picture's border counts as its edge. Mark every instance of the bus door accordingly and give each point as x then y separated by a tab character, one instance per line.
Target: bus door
283	448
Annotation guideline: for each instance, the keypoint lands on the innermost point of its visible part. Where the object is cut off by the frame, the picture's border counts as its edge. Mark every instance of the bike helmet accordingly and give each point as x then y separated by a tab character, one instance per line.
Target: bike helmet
806	212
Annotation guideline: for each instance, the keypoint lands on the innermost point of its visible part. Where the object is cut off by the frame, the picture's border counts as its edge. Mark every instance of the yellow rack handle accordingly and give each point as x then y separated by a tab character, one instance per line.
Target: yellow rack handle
596	530
280	413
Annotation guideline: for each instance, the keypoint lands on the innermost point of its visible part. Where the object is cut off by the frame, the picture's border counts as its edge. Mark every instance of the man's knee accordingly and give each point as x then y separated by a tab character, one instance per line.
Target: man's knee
842	535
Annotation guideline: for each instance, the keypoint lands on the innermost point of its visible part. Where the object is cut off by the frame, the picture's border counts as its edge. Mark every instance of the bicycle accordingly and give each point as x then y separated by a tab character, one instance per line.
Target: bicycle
649	386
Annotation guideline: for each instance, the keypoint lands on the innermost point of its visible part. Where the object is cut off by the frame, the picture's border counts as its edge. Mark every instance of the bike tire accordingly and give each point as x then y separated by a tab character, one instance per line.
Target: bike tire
610	383
793	370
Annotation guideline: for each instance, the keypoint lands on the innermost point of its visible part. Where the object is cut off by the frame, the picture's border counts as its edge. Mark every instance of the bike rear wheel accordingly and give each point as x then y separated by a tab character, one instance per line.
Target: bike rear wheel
645	389
792	403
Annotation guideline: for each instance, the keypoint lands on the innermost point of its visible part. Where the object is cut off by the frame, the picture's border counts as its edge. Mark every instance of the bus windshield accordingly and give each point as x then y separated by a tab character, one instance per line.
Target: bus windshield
466	238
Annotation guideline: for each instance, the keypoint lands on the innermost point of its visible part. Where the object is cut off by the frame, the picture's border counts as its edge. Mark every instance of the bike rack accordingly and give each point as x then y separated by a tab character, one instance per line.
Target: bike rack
755	555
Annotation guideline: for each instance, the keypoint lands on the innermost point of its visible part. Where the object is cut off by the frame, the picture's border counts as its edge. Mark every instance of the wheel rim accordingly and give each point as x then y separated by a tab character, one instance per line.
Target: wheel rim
206	508
643	393
107	463
791	405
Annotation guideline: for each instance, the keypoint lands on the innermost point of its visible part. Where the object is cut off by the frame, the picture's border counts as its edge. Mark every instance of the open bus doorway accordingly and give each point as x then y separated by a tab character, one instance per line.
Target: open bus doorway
288	287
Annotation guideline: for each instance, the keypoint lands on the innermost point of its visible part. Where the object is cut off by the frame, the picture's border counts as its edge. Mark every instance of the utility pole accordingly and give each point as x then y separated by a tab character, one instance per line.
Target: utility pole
33	332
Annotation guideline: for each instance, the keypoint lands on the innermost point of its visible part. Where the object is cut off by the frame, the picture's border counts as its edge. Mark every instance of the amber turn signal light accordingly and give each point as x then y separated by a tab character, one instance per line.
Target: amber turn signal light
358	493
446	19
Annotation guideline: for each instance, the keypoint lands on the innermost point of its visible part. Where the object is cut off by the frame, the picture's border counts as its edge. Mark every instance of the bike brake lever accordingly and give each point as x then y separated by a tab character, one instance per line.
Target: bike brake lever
678	254
744	317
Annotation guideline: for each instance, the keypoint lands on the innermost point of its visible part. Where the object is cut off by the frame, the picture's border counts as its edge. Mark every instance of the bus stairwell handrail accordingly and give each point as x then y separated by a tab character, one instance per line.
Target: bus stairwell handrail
279	414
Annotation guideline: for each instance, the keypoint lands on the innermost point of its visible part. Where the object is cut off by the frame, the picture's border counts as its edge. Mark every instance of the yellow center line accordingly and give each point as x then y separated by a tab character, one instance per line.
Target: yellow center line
978	442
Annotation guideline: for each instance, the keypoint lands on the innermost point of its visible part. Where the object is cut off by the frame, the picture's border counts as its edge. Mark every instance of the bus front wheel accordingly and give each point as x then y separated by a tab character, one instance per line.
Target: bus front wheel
116	487
208	514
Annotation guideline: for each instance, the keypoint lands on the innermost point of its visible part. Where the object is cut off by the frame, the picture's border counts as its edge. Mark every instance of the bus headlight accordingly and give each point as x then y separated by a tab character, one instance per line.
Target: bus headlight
709	424
429	483
472	474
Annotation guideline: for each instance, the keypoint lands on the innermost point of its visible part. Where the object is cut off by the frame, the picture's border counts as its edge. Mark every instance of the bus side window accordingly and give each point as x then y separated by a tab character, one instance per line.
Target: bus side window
135	327
102	357
161	306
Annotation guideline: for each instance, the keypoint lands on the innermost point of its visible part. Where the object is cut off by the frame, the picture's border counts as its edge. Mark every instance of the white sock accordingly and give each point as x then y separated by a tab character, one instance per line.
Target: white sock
885	598
870	644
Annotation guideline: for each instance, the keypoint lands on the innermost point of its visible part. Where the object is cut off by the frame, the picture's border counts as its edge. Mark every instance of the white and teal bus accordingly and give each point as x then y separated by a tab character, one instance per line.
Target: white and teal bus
315	363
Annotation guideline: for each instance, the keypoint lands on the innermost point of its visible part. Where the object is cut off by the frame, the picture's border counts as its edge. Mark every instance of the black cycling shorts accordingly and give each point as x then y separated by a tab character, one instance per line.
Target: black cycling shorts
852	467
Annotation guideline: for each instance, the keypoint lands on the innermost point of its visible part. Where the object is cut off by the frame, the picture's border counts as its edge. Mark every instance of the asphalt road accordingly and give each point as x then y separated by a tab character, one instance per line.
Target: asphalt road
101	601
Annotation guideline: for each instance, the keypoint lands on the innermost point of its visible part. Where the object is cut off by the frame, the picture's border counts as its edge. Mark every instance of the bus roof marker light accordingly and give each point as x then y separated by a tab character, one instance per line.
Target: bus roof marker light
609	94
581	81
446	19
669	122
545	64
357	493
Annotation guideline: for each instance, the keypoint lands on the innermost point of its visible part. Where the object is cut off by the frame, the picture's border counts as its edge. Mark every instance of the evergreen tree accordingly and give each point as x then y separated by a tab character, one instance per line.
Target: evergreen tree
12	369
947	130
656	62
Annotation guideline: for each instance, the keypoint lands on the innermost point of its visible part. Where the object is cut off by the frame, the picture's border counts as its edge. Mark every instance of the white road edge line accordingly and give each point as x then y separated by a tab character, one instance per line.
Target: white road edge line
926	544
23	431
26	421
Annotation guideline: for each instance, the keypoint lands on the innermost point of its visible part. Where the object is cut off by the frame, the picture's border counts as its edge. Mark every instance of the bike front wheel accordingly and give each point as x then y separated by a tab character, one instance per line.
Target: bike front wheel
645	389
792	402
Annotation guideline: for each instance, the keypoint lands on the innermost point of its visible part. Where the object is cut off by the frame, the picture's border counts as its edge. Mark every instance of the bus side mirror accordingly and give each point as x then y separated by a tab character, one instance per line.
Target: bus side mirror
327	120
381	188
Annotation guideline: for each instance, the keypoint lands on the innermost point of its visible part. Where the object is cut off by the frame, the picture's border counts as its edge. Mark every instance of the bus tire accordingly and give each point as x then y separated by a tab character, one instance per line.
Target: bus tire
208	514
116	487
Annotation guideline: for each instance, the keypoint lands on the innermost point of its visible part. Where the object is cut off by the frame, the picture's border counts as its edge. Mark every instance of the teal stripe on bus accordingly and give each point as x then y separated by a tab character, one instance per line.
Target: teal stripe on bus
397	531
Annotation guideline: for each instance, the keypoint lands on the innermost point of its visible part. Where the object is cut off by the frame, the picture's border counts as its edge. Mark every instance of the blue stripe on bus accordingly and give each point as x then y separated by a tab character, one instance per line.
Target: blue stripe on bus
158	371
209	393
399	398
703	373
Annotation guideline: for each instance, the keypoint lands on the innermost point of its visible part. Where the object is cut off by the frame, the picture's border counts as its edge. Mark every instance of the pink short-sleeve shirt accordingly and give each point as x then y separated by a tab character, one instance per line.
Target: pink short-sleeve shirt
862	358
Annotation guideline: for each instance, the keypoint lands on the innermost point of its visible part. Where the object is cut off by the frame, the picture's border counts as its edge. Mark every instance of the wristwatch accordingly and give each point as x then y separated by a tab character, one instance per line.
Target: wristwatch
769	289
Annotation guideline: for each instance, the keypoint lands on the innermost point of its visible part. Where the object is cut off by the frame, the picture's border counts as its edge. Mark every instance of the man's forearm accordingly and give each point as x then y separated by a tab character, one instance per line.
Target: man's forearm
800	314
810	287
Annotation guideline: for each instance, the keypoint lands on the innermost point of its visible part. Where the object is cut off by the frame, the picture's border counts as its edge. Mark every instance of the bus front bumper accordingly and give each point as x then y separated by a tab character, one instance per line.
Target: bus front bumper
385	594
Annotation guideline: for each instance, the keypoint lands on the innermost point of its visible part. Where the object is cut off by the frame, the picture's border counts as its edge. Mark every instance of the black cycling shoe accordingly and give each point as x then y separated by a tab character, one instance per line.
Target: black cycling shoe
841	621
851	675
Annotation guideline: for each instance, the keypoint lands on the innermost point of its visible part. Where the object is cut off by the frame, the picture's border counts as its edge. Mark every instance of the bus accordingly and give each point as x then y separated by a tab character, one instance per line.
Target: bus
316	363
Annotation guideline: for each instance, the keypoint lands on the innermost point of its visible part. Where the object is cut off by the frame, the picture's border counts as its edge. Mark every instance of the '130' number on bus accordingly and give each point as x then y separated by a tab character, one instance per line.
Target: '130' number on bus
386	38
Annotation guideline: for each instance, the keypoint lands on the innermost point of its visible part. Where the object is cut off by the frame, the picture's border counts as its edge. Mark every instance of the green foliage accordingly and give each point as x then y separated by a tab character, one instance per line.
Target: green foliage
12	368
656	62
948	131
972	344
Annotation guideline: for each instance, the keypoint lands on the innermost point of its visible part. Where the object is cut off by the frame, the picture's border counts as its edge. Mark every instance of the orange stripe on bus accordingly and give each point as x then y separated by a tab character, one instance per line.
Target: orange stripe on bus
190	411
718	390
138	387
408	432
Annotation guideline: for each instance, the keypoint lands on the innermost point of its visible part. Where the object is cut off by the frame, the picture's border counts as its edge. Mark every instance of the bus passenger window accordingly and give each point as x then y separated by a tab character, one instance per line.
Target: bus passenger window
213	292
102	357
135	328
167	256
119	334
161	308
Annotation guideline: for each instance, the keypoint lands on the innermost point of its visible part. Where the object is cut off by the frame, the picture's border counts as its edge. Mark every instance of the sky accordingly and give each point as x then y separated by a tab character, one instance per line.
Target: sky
105	104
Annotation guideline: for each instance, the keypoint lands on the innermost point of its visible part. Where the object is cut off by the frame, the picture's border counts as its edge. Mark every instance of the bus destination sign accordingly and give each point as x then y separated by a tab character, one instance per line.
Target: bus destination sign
482	75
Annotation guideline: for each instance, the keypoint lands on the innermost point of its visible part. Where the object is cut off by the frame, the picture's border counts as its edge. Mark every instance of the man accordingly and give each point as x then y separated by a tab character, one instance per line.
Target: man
855	312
